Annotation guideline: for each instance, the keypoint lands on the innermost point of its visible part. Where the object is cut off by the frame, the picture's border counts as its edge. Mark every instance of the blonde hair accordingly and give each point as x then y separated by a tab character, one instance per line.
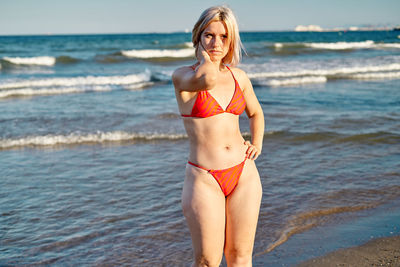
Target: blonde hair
225	15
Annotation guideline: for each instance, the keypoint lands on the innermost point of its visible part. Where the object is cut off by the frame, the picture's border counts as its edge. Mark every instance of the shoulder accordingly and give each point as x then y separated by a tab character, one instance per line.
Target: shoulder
180	72
241	77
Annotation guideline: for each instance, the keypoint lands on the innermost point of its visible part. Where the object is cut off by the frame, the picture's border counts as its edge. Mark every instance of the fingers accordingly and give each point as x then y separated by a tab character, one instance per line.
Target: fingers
252	152
202	54
199	54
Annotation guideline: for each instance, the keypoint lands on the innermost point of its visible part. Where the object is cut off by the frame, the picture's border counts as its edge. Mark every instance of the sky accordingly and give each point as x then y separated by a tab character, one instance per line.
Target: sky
130	16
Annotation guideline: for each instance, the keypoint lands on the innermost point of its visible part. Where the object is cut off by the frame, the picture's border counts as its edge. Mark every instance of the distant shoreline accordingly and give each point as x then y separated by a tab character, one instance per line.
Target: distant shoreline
360	29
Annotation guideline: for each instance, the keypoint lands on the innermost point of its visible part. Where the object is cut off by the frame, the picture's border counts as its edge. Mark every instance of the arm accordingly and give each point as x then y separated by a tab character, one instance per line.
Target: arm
204	77
256	118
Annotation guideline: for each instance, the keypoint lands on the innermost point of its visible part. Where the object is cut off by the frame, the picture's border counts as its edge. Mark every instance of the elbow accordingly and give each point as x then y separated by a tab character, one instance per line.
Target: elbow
259	114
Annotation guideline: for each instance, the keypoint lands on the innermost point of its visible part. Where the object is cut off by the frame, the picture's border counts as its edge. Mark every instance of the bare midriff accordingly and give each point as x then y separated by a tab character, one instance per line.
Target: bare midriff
215	142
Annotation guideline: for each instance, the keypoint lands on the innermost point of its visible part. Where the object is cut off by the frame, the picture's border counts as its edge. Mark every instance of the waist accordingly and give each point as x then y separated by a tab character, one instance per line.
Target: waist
218	156
215	141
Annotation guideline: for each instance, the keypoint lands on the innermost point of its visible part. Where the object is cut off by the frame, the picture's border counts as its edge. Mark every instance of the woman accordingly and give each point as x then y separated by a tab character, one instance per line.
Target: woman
222	190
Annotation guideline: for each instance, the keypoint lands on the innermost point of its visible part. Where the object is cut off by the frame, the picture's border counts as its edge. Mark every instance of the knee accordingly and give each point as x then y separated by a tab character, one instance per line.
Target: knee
207	261
238	257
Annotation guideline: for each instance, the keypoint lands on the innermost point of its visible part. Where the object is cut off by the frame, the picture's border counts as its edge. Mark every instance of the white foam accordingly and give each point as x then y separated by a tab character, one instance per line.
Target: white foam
79	81
296	81
342	45
138	85
42	61
189	44
50	91
389	45
77	138
327	72
376	75
155	53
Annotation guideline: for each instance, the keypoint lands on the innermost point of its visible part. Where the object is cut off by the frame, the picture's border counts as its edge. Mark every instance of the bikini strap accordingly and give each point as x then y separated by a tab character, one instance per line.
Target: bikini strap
193	66
198	166
231	73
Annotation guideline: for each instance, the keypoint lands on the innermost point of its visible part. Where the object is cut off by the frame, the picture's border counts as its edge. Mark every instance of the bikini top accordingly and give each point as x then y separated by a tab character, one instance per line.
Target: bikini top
206	106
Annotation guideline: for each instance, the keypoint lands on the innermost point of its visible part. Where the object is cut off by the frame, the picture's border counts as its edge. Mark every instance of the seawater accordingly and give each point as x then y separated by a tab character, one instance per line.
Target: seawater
93	150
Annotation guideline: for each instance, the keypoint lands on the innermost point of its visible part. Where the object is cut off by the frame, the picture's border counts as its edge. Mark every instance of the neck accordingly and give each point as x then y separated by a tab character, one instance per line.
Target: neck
219	65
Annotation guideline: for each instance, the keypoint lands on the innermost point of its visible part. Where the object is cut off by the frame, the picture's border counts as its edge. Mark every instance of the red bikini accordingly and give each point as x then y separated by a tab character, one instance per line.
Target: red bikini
206	106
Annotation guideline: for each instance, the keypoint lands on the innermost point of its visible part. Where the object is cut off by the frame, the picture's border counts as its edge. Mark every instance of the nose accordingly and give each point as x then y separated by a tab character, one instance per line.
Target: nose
216	42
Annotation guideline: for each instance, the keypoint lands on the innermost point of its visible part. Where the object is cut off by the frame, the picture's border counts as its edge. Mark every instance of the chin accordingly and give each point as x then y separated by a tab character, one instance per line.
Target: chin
216	57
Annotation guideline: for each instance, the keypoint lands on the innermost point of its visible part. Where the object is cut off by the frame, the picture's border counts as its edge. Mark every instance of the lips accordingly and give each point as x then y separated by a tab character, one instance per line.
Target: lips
215	51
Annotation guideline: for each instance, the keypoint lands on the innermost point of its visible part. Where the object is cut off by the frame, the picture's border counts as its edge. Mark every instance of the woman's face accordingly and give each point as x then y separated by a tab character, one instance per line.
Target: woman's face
215	41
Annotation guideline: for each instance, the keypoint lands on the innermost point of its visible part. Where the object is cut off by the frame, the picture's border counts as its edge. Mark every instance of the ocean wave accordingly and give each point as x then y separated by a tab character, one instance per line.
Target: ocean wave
297	81
188	44
323	75
327	72
293	48
336	138
49	91
388	45
67	60
376	75
100	137
40	61
342	45
90	138
159	53
80	81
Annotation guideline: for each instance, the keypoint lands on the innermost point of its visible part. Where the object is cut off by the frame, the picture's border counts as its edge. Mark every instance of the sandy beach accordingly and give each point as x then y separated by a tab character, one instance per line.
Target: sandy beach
378	252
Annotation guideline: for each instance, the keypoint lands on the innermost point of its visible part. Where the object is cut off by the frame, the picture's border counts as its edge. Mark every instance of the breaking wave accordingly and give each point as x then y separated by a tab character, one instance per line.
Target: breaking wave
281	78
342	45
90	138
376	75
79	81
56	86
100	137
159	53
369	44
294	81
40	61
49	91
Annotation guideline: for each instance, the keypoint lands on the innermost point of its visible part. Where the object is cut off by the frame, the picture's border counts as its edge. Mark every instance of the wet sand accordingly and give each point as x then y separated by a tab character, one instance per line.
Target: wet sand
378	252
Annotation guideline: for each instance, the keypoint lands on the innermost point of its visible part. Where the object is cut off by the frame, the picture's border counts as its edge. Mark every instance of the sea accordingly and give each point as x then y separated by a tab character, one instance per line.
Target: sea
93	149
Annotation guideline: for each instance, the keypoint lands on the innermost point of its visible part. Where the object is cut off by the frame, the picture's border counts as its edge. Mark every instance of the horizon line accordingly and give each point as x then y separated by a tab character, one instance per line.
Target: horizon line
188	32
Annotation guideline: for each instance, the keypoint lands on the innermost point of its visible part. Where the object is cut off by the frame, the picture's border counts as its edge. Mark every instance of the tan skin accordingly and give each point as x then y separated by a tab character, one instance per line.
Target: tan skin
217	224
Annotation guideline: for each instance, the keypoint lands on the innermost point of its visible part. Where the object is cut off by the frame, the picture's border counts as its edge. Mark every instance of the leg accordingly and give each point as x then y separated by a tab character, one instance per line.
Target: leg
203	205
242	208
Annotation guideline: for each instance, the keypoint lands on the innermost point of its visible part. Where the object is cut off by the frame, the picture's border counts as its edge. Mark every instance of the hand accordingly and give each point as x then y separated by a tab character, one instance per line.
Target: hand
202	54
252	151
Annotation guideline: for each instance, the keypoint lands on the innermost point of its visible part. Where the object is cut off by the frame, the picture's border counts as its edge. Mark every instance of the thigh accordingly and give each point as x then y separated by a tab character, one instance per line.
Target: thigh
242	209
203	205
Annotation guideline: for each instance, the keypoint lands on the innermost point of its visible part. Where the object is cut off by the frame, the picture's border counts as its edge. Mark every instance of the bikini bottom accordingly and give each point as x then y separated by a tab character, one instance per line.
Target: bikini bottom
226	178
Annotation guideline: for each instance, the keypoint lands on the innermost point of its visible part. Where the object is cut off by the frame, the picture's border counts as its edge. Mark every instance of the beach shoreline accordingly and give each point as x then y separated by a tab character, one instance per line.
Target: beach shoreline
383	251
363	227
